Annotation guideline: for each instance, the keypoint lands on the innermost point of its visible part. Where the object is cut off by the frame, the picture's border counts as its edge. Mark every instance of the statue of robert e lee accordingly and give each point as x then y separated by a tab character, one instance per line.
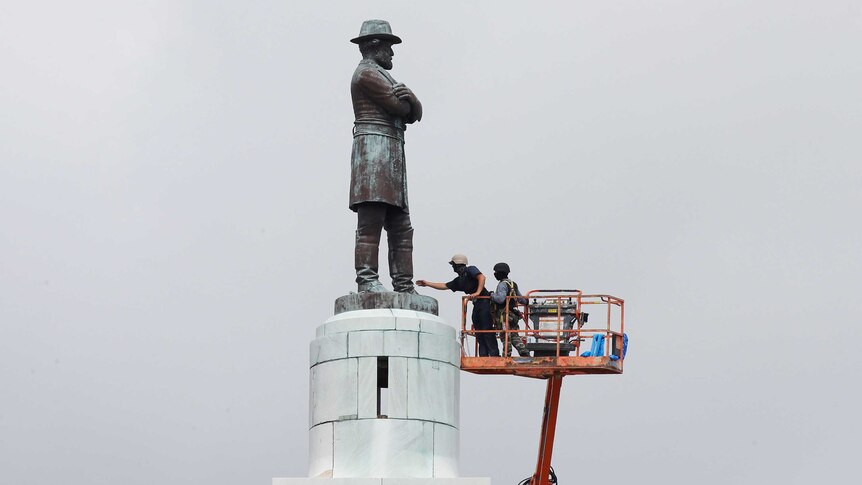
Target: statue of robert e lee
378	178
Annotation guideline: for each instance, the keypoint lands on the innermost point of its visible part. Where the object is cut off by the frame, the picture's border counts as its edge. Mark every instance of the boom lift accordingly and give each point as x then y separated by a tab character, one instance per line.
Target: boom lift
556	327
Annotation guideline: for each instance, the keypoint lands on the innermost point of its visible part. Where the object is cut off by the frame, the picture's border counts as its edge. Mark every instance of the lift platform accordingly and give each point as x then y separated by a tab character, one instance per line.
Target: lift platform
554	326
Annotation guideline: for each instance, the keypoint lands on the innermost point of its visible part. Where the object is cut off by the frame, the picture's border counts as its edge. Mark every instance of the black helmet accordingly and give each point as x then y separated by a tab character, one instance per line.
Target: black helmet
501	268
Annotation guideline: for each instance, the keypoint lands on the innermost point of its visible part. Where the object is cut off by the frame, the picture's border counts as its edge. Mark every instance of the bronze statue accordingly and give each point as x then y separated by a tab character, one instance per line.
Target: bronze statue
378	179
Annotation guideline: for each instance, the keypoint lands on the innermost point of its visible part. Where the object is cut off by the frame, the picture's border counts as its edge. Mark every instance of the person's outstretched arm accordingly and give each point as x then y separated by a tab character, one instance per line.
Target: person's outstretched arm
431	284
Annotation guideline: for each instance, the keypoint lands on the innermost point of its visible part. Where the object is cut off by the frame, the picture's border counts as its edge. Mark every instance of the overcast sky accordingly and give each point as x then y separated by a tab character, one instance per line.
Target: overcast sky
173	204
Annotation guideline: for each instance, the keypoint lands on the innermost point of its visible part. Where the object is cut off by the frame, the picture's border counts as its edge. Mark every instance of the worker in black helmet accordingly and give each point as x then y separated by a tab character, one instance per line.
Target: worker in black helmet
507	288
472	282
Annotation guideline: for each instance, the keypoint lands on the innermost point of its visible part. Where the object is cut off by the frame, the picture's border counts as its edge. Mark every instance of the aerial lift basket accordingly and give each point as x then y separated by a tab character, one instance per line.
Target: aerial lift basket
556	327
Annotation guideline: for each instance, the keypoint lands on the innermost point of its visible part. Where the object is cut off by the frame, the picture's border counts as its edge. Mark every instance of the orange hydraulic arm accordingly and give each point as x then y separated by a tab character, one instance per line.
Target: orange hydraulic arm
549	425
555	329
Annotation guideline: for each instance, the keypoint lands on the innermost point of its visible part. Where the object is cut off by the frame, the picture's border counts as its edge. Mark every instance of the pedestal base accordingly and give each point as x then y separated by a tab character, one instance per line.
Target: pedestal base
386	300
384	395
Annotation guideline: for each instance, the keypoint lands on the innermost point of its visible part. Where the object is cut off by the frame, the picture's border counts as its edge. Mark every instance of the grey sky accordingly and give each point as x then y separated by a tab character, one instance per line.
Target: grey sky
173	201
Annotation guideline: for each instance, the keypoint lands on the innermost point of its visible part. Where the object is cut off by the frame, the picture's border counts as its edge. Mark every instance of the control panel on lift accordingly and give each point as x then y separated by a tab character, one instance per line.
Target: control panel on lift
543	315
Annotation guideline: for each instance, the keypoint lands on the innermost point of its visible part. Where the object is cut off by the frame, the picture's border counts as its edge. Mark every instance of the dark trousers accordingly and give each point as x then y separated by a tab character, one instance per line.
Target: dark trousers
373	217
482	321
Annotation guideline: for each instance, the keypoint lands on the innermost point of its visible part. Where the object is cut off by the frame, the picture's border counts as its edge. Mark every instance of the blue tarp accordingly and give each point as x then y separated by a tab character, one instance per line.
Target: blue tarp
598	347
625	347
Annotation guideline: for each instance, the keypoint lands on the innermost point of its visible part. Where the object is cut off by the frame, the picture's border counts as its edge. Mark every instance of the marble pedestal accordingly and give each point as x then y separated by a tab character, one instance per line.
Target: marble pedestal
384	397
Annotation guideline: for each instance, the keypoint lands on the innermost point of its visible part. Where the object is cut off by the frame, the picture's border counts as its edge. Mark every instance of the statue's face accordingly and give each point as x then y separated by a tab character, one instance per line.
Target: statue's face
383	56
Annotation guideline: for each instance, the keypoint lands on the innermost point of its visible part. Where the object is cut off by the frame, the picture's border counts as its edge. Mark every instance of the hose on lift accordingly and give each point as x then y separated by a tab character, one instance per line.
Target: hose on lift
552	478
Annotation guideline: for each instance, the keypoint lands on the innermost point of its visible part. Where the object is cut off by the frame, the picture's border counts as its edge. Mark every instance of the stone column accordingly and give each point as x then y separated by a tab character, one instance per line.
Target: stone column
384	395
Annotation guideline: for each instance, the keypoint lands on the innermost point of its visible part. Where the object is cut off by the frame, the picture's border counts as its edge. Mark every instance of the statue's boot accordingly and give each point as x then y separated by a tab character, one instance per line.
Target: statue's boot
372	287
366	264
401	261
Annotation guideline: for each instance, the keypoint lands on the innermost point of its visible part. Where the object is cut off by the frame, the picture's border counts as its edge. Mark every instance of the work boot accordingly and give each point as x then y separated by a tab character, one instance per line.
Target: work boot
517	342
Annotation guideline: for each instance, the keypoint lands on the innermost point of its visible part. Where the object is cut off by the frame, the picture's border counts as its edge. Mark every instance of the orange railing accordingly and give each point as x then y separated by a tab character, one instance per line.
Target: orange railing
558	321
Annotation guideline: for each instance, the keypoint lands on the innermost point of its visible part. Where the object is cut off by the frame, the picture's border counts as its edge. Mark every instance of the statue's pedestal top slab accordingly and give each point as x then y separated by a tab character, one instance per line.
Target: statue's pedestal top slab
386	299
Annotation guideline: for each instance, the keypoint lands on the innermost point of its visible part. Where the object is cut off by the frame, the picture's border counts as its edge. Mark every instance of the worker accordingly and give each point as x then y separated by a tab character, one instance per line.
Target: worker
472	282
507	288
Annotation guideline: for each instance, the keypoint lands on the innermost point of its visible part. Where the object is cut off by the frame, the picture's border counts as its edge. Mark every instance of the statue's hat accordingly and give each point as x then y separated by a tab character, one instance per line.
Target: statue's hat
376	29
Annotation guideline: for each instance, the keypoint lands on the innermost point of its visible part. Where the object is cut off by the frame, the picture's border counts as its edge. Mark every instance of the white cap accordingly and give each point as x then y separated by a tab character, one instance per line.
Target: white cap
458	259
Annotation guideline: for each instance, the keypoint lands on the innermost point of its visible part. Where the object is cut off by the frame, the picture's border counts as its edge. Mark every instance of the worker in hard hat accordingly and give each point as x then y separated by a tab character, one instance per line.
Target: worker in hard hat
507	288
472	282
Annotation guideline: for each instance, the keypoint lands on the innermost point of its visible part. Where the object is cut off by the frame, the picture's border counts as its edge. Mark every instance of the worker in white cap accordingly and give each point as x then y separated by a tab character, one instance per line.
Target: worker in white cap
472	282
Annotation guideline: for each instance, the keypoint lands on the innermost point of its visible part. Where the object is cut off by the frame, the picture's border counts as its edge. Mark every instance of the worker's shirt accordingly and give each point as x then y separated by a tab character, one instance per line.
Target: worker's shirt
499	295
468	281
